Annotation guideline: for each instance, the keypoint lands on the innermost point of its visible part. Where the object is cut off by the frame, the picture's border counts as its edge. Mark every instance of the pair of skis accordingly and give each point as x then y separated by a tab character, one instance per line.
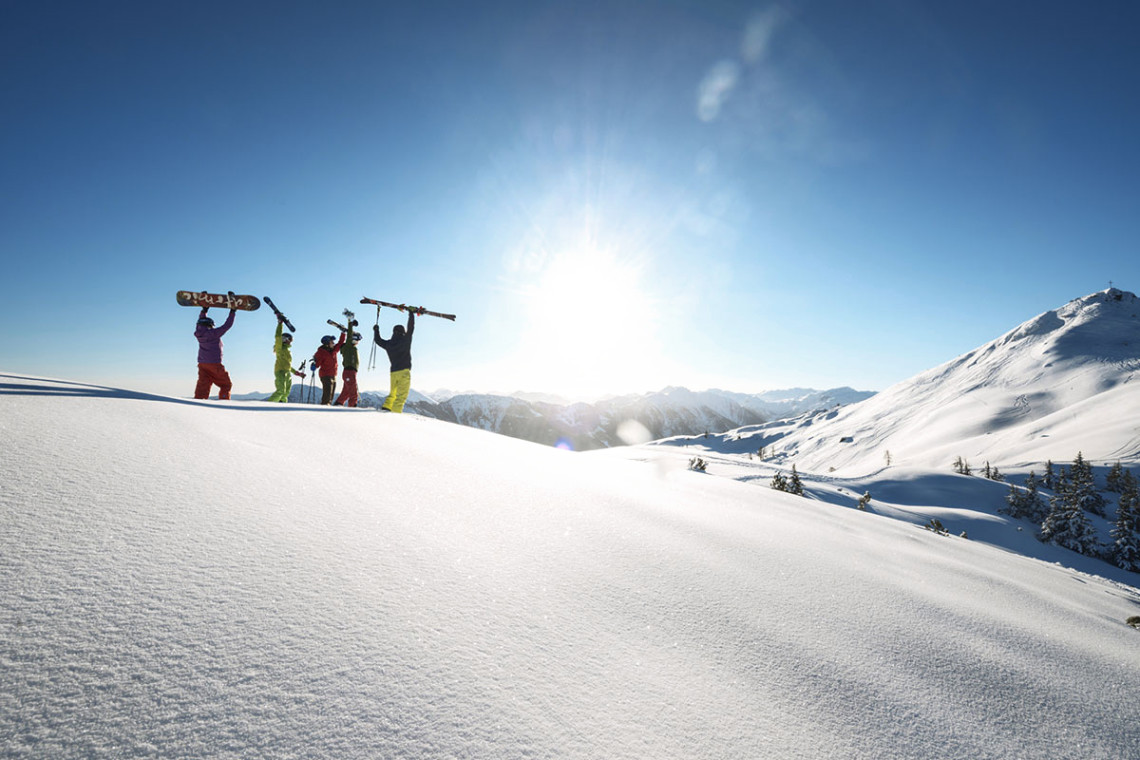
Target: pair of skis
280	316
418	310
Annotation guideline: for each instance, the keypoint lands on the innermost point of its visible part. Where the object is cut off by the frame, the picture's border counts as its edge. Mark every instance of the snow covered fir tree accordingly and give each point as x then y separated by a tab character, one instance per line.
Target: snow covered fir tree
1126	531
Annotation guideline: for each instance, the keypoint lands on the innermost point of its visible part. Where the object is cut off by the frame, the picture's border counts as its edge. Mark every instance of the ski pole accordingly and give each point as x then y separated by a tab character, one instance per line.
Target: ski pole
372	355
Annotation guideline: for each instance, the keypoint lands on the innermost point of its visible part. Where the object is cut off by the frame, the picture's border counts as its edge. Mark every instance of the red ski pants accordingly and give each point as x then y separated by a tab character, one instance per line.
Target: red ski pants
210	375
349	395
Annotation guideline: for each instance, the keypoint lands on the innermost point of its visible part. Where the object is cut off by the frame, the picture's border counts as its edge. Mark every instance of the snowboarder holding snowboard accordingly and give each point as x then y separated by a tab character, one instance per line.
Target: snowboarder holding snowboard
350	358
399	348
283	368
325	365
211	371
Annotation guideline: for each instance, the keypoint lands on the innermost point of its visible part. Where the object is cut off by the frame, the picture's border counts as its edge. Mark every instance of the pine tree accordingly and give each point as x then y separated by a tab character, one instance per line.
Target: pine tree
1126	532
1113	481
1015	505
961	466
796	486
1025	502
1067	525
1049	479
1083	484
779	482
1033	502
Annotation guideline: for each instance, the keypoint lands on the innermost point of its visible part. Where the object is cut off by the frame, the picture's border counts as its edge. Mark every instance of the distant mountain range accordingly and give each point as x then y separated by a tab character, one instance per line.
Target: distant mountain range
583	426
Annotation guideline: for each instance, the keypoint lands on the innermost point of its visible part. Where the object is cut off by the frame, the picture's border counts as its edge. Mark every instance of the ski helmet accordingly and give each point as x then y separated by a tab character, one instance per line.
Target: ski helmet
398	331
287	337
357	336
327	340
206	322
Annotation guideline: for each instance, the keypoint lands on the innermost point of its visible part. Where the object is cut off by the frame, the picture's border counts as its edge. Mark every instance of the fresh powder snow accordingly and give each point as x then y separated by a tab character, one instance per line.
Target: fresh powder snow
244	579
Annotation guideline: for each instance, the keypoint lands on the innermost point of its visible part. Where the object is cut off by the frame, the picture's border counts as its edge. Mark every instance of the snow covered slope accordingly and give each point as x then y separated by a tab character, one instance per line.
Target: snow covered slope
228	579
1065	381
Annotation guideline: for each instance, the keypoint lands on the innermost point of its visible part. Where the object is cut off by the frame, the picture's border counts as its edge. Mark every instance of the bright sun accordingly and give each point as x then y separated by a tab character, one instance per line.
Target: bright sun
591	326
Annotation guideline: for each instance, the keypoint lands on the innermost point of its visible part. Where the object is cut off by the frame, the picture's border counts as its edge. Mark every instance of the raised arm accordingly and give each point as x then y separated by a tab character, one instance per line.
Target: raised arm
227	324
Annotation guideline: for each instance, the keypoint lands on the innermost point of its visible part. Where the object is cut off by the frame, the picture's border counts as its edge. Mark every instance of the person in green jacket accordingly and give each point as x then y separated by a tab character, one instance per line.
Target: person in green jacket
350	359
283	368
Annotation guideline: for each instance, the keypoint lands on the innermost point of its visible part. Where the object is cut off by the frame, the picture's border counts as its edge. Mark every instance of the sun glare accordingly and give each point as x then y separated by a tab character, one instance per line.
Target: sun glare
591	325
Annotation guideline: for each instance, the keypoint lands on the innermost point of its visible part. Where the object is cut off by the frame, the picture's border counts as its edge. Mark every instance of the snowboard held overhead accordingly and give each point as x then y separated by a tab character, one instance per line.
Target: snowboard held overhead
202	299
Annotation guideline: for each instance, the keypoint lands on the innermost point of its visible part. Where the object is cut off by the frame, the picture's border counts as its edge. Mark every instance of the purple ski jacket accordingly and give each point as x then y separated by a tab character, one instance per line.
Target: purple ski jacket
210	340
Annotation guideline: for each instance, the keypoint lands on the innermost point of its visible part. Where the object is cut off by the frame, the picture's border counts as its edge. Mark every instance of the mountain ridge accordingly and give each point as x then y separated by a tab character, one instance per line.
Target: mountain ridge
583	426
995	402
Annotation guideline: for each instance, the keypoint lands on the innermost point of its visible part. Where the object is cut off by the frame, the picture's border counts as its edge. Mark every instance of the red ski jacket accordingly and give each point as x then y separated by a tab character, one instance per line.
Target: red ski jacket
326	359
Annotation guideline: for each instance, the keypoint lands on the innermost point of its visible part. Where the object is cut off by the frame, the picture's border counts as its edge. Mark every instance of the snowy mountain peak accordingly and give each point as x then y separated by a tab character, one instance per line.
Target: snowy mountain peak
1098	326
1030	395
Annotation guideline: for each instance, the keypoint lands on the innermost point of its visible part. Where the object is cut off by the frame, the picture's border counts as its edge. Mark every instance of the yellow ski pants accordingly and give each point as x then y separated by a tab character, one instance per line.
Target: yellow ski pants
401	384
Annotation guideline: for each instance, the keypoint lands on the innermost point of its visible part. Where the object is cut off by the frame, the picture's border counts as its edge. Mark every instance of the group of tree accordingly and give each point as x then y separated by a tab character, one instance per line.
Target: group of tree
792	484
1063	515
989	472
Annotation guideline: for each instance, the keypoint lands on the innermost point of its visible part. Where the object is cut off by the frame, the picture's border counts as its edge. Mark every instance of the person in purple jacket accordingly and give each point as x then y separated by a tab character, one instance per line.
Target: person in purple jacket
211	372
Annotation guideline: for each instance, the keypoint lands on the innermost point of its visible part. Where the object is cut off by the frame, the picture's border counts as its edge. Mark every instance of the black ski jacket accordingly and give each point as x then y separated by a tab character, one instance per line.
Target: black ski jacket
399	349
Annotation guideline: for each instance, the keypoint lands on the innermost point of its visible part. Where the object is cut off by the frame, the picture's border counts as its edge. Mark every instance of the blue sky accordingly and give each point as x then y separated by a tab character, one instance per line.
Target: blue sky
612	196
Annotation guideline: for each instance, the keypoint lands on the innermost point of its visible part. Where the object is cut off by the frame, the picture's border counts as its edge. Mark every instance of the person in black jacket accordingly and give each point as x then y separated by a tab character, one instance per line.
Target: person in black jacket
399	348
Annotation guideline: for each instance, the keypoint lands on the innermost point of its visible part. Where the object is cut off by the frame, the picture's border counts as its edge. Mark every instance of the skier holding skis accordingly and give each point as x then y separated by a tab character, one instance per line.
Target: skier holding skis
399	348
283	368
211	371
350	358
325	365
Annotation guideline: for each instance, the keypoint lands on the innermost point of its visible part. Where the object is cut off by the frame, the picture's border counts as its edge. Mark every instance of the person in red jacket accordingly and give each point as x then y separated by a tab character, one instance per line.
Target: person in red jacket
325	365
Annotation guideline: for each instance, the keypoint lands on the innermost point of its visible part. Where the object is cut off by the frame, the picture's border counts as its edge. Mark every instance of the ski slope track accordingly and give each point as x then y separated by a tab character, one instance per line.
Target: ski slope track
243	579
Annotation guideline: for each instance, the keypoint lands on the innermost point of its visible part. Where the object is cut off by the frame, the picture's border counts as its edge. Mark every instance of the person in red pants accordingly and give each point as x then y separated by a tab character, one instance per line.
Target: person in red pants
350	359
211	371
